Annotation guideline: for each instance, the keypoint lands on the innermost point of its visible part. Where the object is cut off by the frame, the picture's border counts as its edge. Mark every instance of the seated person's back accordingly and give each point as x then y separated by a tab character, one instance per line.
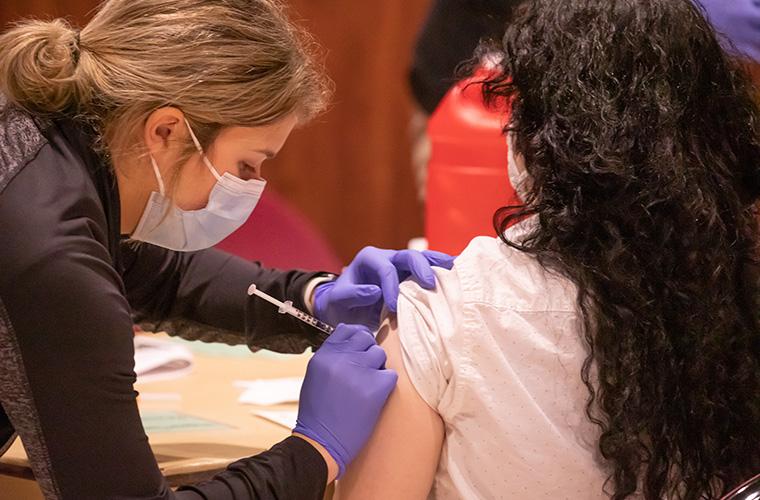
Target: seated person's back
497	351
607	345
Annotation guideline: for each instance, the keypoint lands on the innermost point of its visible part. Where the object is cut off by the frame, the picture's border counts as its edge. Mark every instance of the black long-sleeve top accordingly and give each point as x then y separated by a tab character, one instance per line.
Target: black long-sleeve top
71	288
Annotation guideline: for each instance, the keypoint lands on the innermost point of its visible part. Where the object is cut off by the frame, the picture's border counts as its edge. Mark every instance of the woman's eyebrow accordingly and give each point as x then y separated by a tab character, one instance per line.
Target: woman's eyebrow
266	152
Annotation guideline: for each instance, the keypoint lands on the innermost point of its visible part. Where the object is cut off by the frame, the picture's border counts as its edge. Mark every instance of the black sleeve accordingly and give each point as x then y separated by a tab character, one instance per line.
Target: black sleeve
66	359
449	37
203	295
287	471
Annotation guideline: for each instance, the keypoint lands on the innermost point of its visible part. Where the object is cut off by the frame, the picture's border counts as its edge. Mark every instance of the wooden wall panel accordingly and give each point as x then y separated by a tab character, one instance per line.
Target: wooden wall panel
74	10
350	171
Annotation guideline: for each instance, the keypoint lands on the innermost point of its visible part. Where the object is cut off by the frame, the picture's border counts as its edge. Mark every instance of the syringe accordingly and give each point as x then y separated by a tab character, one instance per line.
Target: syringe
287	308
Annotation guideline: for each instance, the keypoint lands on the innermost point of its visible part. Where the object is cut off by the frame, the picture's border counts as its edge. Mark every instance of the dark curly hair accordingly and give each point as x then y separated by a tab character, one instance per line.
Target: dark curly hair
643	144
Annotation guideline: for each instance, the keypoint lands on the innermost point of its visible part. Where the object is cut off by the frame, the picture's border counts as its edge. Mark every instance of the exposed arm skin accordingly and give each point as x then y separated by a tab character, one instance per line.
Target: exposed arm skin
402	456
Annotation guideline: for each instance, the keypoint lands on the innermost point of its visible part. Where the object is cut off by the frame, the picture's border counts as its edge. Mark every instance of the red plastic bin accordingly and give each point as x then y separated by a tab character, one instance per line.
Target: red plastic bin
467	171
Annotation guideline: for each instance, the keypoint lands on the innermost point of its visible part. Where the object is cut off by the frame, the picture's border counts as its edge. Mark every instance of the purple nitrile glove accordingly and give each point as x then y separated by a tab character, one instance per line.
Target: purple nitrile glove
345	389
371	280
738	22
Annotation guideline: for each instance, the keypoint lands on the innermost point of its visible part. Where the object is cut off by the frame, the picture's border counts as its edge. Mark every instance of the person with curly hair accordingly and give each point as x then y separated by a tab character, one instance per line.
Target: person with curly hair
607	344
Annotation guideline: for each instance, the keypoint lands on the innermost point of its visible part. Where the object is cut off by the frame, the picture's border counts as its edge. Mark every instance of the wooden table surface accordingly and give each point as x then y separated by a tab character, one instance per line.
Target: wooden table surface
207	393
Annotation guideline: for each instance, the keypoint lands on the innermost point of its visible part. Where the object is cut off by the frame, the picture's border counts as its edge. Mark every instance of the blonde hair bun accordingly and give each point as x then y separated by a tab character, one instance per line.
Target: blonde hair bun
224	63
38	65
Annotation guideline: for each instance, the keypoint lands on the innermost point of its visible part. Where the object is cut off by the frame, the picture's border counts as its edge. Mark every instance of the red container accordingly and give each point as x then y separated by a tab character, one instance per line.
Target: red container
467	172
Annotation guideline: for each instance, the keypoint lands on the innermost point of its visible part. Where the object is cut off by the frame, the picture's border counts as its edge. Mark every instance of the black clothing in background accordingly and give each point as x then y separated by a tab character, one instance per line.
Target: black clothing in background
70	289
449	37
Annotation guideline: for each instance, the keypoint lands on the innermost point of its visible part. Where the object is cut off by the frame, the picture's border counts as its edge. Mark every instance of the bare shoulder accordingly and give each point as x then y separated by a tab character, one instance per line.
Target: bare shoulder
402	455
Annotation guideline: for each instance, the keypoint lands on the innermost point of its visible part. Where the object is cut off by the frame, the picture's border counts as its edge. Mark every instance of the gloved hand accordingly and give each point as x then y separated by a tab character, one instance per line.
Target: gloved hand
345	389
357	296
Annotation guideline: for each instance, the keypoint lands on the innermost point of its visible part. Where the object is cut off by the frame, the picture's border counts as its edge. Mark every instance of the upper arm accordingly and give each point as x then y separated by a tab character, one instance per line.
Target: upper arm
402	455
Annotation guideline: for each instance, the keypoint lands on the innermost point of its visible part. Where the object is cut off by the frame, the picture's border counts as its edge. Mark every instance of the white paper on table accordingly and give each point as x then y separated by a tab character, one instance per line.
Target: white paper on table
160	359
273	391
285	418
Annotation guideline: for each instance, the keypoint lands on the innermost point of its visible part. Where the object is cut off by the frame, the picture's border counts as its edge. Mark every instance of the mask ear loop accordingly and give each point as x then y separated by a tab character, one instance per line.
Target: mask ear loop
205	159
157	173
160	180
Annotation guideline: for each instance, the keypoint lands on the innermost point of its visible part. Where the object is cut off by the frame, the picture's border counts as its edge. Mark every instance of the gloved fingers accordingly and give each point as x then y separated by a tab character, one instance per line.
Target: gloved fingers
377	268
389	283
389	379
351	338
374	357
417	264
360	342
368	316
351	295
321	299
366	265
384	382
439	259
344	332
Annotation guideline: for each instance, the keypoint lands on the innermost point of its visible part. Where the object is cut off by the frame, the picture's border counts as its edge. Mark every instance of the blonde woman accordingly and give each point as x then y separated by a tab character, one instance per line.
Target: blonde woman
126	151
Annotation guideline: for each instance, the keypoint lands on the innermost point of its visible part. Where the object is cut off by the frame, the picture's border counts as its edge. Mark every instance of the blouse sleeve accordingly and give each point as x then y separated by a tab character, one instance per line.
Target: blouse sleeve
427	324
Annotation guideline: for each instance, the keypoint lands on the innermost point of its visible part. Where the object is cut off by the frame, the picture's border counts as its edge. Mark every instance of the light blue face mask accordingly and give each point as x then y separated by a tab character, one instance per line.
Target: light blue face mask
229	205
518	176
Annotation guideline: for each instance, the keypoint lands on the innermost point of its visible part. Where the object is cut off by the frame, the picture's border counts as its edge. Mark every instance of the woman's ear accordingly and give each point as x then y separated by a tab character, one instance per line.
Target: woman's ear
164	130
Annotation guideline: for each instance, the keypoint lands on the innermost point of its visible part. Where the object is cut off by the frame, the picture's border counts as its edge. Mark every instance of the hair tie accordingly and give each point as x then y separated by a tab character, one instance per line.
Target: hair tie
75	51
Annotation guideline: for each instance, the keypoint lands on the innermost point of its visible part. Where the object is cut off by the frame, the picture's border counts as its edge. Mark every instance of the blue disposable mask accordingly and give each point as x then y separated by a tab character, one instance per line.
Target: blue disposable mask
229	205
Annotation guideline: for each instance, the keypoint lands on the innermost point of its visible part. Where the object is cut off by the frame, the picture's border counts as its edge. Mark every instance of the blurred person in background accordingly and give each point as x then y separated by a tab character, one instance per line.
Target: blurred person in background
449	36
